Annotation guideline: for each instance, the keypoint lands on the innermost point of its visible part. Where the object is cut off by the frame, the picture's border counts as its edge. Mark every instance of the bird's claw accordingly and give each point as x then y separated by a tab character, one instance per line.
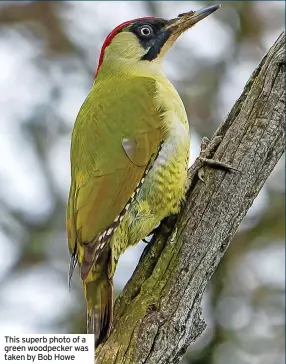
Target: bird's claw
208	147
217	164
204	143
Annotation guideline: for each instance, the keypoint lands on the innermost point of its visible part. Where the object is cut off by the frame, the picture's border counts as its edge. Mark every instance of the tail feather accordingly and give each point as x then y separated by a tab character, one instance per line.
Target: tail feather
73	263
99	295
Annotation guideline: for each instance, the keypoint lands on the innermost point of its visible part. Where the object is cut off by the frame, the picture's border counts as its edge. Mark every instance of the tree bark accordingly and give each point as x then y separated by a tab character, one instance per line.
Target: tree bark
158	315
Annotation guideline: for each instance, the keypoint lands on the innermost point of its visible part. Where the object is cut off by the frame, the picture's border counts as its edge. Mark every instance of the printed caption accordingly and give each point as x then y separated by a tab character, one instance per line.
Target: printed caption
40	349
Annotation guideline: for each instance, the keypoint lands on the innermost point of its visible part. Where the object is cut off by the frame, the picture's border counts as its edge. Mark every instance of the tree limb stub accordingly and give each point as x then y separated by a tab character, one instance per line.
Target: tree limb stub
158	315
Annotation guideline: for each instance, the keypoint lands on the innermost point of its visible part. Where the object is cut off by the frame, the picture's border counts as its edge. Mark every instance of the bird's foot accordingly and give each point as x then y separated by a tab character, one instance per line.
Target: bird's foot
164	228
215	164
208	147
154	231
150	242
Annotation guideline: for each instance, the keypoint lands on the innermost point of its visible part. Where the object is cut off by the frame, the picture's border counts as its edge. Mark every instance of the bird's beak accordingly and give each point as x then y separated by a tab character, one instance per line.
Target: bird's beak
175	27
186	20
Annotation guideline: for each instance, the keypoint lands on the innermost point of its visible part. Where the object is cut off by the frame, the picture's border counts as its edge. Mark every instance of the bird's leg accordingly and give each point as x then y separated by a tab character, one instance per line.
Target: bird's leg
207	149
154	231
148	246
149	243
164	228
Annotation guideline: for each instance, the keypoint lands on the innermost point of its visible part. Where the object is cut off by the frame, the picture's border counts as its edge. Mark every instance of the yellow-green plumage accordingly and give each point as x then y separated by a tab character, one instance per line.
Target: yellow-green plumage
132	125
104	178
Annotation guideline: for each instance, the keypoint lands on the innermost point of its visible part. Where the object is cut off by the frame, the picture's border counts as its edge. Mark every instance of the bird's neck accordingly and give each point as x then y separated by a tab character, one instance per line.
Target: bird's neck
124	67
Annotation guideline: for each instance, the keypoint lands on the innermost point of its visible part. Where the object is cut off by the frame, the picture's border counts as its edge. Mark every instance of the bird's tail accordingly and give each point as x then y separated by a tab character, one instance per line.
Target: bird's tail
99	297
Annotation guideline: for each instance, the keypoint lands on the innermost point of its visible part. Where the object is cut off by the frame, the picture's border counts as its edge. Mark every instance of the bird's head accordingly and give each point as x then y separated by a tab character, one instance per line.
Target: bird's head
145	41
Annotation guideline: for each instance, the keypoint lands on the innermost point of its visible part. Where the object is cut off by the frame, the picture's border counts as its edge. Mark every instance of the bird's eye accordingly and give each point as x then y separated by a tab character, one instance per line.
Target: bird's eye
146	30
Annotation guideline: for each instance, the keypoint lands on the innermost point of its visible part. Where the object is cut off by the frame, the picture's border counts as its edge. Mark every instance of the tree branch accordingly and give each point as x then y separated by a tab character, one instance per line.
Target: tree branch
158	314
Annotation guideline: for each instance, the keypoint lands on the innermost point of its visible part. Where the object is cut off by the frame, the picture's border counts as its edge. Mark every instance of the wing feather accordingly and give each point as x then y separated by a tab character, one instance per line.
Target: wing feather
110	152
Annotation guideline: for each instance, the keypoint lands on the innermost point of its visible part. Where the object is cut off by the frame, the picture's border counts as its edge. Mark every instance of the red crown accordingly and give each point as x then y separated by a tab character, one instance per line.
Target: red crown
112	34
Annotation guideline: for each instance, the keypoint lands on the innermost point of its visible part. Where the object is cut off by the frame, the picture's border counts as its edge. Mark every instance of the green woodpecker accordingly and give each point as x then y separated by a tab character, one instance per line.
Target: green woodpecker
129	156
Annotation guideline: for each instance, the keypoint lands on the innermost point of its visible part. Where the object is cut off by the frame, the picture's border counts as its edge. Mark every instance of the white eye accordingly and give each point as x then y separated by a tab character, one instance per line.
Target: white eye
146	30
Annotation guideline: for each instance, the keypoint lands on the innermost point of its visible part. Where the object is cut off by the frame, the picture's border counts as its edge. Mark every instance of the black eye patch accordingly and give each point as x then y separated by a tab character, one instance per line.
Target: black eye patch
152	35
146	30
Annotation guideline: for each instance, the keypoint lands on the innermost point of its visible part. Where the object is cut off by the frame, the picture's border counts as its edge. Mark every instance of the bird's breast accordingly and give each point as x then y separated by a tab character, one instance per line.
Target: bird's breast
160	194
164	186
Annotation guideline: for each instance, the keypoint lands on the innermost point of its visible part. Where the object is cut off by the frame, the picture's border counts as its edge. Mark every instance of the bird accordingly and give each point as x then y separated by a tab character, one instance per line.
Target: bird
129	156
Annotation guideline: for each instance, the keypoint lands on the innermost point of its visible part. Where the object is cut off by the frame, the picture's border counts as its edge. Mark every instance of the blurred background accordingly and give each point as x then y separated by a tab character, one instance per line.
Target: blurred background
49	53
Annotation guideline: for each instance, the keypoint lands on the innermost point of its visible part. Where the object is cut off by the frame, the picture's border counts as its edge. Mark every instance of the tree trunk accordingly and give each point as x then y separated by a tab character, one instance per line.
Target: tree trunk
158	315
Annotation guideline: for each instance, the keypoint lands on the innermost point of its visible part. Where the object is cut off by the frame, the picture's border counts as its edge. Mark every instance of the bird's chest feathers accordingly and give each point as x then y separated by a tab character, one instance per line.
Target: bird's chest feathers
173	152
170	166
175	124
165	184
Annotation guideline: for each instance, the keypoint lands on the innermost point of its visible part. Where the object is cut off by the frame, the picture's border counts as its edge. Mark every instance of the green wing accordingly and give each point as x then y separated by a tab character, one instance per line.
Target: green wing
117	131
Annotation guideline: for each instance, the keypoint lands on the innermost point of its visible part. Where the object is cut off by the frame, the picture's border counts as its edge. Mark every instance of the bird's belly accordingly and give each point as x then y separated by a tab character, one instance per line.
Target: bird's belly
160	195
